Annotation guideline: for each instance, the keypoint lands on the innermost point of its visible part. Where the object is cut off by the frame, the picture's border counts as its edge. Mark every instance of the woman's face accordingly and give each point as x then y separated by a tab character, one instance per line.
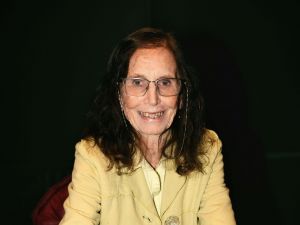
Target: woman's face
150	114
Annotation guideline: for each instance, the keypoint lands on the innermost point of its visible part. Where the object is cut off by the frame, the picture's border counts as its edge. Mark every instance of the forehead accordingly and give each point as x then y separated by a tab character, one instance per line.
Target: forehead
153	62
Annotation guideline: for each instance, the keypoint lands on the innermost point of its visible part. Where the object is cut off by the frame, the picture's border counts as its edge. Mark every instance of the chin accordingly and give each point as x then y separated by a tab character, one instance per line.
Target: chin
151	131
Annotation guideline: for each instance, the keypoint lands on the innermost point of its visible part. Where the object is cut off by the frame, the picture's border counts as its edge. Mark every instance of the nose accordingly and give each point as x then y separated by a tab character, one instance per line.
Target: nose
152	94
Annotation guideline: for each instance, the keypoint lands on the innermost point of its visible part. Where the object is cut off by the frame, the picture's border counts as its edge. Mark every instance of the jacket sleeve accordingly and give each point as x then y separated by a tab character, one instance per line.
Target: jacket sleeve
215	206
83	205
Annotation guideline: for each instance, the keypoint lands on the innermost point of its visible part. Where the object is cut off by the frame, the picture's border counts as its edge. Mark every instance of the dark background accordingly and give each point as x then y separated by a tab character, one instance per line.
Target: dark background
54	54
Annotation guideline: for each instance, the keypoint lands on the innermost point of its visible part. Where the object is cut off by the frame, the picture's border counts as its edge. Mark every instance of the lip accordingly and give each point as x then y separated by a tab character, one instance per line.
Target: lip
151	115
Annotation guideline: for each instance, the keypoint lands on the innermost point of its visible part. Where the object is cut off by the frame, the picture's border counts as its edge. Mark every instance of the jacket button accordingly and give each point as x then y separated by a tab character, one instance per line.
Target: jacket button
172	220
147	219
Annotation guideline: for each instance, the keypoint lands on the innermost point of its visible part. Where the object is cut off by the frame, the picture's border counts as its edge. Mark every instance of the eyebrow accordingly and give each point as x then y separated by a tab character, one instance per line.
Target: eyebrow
136	76
142	76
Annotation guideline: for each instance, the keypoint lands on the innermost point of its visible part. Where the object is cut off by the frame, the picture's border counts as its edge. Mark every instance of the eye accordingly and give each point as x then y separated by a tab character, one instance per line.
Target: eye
165	82
137	82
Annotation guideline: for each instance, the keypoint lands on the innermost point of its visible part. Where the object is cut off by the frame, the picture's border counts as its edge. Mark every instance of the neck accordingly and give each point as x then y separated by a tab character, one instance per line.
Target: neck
151	146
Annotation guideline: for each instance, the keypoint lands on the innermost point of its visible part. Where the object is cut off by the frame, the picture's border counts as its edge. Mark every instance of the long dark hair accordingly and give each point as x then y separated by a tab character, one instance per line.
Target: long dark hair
114	135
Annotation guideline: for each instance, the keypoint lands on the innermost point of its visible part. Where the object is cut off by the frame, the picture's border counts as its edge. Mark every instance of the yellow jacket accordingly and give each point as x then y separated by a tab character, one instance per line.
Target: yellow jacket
98	196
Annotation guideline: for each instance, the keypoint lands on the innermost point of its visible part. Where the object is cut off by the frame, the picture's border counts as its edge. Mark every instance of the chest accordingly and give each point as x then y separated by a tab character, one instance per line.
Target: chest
126	199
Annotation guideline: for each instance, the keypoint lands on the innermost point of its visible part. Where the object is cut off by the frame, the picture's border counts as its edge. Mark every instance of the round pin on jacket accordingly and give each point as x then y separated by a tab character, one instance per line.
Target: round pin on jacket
172	220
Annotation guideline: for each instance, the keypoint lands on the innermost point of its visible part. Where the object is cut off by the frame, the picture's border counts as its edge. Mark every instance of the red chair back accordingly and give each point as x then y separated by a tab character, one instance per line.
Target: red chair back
49	210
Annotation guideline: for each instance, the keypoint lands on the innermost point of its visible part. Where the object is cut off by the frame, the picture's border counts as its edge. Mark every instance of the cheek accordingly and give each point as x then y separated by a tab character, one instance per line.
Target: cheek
130	102
129	105
127	101
171	102
172	106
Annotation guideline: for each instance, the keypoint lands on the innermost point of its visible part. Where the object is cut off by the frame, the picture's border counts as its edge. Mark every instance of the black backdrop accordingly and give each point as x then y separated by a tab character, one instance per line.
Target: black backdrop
54	54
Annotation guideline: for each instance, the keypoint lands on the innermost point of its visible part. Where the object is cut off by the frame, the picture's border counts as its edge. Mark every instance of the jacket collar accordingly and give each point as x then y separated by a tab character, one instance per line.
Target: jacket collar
140	190
172	185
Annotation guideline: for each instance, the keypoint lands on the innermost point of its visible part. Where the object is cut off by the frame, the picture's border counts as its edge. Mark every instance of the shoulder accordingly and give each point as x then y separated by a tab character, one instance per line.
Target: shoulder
87	147
88	150
211	147
211	140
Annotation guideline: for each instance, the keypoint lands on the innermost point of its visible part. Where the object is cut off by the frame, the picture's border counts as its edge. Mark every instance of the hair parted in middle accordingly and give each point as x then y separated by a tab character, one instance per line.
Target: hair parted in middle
110	130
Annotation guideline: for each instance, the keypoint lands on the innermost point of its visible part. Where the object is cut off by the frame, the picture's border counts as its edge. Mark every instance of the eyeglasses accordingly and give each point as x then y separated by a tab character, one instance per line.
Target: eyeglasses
139	86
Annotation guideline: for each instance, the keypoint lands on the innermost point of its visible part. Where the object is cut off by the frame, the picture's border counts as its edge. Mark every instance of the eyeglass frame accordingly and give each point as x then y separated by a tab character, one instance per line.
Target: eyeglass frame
182	81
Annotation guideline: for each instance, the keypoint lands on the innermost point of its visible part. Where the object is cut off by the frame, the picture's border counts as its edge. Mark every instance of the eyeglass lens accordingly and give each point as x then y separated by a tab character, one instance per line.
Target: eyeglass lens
165	86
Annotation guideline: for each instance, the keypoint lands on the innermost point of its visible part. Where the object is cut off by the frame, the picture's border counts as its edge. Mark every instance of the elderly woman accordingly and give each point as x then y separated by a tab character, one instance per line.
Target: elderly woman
146	157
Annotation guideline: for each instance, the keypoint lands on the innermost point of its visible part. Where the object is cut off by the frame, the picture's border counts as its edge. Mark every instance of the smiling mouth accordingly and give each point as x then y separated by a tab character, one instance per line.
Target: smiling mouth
151	115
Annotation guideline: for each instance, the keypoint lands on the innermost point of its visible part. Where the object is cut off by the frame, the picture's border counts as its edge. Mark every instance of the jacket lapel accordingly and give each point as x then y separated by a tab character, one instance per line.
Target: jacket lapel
172	185
139	187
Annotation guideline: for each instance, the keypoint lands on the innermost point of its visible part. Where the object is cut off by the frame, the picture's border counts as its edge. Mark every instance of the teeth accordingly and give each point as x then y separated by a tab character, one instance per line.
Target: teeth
152	115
